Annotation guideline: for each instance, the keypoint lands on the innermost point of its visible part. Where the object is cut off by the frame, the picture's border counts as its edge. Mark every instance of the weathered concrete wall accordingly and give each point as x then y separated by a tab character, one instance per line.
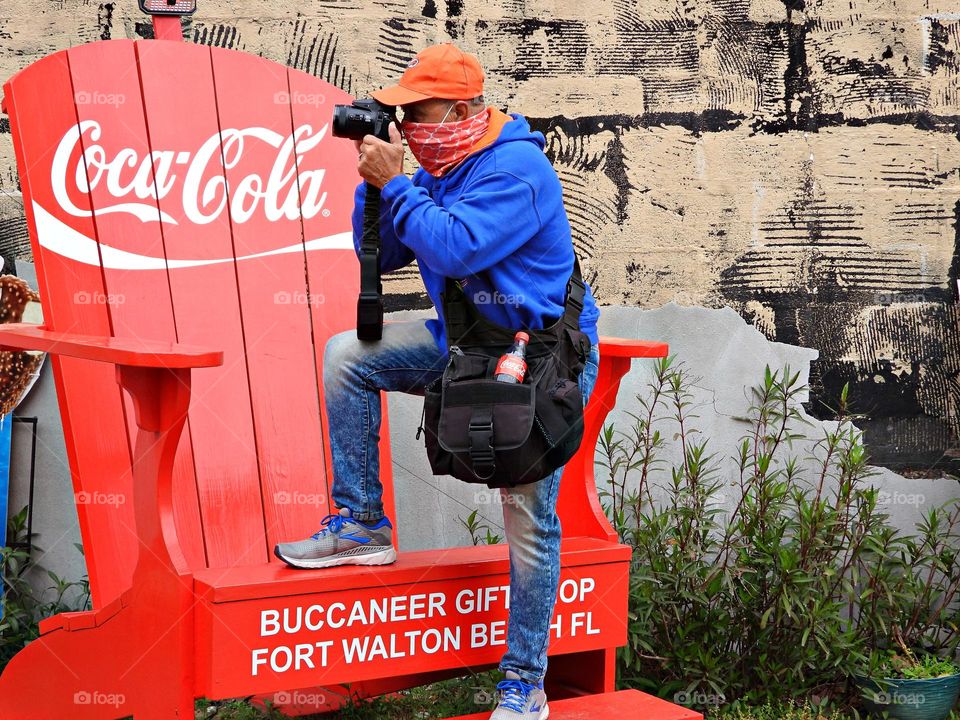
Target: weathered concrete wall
797	161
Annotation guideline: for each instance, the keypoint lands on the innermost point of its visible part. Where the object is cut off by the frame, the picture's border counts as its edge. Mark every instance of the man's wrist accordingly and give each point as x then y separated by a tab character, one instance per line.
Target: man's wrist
394	186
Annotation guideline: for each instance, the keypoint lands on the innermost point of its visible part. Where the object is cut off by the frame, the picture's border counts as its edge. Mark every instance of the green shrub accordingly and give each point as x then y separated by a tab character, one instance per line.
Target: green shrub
909	666
778	711
23	609
778	580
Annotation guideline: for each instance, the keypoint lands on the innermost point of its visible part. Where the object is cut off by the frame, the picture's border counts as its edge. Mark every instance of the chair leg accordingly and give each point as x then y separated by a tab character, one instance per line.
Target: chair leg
99	667
70	674
161	667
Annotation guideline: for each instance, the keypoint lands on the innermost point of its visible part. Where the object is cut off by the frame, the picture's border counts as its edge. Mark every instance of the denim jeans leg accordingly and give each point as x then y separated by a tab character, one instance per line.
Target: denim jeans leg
532	529
405	359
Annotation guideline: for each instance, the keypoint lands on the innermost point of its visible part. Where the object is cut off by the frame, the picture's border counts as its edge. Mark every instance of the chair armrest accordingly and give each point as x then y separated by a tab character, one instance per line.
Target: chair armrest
121	351
625	347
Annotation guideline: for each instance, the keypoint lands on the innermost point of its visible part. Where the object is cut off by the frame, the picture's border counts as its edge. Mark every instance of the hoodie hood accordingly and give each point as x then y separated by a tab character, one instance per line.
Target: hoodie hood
508	128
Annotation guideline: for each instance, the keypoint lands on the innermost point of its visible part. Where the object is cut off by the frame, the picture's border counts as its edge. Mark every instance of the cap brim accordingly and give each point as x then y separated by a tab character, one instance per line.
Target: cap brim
397	95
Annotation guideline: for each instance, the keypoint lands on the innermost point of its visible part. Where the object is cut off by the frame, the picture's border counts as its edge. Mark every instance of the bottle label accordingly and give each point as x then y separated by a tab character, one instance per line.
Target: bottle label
512	365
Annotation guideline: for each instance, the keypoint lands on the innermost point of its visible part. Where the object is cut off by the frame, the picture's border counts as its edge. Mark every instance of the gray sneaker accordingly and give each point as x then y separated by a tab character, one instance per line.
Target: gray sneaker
341	541
520	700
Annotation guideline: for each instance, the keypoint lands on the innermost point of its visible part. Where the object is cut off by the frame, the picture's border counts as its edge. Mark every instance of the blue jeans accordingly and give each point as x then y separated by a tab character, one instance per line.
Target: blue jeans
407	359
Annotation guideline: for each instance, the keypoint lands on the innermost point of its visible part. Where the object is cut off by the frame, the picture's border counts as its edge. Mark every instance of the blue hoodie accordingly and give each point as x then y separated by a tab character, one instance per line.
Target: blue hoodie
500	210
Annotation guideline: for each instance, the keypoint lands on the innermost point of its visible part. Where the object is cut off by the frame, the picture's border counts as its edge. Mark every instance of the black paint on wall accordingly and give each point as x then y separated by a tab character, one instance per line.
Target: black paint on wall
219	35
144	29
105	20
939	52
798	94
14	242
316	50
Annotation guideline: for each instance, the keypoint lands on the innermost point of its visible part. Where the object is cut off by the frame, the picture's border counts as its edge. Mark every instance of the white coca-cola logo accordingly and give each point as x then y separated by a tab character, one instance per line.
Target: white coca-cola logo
138	182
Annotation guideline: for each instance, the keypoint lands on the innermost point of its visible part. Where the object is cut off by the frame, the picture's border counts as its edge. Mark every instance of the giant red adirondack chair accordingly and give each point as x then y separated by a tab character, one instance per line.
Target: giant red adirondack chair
189	217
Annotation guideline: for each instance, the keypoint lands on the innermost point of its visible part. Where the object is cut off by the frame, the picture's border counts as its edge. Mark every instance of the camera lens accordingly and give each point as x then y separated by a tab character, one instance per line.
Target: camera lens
352	122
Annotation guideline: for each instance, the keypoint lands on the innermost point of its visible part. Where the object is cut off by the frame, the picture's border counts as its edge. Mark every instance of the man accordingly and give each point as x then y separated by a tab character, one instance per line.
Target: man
486	206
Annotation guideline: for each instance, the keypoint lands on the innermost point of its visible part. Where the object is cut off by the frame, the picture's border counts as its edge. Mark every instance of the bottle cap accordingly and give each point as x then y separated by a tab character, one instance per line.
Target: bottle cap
522	336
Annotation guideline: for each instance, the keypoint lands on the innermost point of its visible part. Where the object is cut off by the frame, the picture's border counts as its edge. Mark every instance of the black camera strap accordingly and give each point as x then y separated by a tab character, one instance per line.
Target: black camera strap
370	301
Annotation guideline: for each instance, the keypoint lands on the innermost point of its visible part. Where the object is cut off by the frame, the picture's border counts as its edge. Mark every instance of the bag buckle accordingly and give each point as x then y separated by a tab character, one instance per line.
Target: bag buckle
369	316
483	423
583	348
577	304
481	444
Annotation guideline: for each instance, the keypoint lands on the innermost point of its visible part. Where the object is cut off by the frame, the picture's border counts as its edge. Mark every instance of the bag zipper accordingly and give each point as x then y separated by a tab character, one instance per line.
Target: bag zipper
546	435
423	411
423	414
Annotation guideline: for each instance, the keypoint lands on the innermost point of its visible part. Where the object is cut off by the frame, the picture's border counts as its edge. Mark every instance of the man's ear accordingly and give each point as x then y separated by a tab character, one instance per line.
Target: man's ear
461	109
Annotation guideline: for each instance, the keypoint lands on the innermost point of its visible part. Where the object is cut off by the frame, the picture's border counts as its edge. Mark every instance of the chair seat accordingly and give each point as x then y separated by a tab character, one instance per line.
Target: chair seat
623	704
275	579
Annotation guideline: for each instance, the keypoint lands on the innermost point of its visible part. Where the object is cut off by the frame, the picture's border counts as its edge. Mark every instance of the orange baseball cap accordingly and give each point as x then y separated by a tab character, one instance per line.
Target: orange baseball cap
439	71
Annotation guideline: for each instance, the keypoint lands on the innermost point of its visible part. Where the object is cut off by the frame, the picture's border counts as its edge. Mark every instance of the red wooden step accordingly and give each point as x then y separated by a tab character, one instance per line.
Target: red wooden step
625	704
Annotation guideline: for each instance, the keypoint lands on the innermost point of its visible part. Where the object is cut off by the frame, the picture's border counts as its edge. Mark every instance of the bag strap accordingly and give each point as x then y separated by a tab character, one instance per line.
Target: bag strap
576	290
462	320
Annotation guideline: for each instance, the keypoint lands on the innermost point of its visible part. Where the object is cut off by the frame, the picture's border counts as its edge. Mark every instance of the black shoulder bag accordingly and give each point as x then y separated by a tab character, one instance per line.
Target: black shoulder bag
502	434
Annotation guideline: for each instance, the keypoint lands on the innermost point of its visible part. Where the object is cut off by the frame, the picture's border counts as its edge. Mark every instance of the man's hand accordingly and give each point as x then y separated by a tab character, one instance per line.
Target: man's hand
379	162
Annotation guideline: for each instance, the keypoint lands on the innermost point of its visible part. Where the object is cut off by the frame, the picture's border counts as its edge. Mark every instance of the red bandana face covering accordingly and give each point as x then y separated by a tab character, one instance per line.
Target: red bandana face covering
440	146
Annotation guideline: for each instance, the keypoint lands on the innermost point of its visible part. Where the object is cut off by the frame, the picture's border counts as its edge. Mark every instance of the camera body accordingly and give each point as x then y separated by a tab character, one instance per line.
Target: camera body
363	117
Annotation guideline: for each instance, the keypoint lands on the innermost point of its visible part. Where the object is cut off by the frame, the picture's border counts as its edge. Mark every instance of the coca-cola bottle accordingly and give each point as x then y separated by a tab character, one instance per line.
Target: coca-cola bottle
511	367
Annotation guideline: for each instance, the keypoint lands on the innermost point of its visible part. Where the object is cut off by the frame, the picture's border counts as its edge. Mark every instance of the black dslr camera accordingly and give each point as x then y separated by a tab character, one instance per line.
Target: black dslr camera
364	117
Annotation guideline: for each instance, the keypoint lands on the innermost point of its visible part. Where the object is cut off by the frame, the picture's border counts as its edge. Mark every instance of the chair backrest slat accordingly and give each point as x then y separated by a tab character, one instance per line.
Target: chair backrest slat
100	92
40	101
181	113
253	102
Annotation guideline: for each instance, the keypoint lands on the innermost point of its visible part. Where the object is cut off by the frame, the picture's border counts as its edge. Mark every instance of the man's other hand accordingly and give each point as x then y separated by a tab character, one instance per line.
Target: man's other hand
379	162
